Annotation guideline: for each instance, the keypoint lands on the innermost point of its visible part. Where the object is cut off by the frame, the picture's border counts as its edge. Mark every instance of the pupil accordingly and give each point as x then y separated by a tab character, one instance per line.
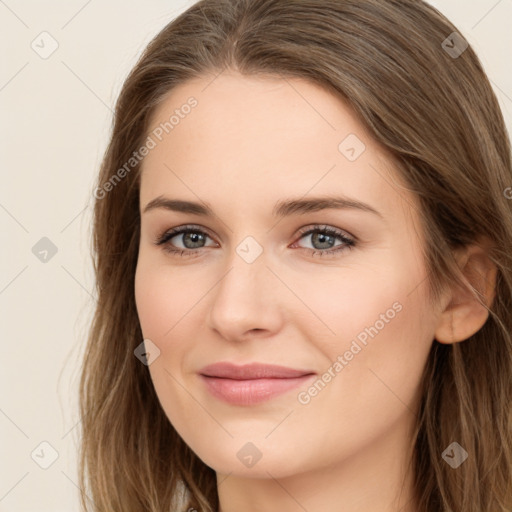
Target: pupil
194	237
322	239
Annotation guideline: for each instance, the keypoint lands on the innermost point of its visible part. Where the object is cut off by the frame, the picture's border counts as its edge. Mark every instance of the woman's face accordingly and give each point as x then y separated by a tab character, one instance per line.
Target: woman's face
248	283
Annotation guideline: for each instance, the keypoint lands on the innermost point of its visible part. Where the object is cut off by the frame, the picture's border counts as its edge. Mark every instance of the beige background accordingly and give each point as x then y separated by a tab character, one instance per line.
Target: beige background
56	115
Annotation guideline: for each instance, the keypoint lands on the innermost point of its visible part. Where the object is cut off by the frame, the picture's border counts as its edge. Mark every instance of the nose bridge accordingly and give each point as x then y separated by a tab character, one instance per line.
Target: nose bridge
248	270
245	281
245	298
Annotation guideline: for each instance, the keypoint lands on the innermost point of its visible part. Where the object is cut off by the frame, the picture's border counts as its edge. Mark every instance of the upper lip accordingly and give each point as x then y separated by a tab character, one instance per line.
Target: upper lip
251	371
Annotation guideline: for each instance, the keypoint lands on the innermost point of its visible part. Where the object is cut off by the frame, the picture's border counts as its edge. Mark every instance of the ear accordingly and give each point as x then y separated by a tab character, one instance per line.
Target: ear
464	315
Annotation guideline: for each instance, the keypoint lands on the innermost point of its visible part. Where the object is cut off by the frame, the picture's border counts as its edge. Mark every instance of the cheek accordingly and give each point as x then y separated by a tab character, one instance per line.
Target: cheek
162	297
378	323
384	338
351	305
163	300
148	298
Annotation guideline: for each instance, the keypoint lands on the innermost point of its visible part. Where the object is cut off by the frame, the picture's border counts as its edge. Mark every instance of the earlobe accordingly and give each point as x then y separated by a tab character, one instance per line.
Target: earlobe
464	314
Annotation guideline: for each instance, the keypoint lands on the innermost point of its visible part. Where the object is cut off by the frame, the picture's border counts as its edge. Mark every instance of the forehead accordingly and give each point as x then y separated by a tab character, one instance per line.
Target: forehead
252	141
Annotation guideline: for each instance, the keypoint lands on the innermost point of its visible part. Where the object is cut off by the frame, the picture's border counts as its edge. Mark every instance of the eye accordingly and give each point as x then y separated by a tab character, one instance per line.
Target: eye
193	240
324	237
191	237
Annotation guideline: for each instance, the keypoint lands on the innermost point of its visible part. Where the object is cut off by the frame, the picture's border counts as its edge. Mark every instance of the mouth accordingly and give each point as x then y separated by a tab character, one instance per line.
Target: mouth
251	384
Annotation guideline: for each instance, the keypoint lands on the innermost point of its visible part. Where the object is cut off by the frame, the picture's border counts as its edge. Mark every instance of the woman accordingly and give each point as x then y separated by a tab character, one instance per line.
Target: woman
303	242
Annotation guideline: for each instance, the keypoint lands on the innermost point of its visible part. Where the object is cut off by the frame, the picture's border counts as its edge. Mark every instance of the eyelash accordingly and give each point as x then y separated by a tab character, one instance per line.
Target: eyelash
166	236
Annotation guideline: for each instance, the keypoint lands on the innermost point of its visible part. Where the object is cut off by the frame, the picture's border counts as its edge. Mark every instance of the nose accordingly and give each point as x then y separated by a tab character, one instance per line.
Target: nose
246	301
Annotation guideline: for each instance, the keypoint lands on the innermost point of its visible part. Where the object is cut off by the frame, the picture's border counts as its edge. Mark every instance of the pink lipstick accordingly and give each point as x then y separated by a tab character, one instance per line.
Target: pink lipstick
251	384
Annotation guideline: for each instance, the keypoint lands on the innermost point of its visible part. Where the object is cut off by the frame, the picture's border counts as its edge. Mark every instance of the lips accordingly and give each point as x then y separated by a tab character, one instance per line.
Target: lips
251	383
251	371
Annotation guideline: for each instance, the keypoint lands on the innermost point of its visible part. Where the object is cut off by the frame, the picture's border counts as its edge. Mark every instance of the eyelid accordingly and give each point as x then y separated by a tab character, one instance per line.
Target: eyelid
326	227
178	230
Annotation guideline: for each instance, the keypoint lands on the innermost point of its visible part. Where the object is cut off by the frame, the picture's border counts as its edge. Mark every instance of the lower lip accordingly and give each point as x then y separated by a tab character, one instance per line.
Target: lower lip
250	392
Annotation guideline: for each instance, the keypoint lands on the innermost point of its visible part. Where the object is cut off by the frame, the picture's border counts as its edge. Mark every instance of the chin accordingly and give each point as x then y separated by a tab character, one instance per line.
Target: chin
248	461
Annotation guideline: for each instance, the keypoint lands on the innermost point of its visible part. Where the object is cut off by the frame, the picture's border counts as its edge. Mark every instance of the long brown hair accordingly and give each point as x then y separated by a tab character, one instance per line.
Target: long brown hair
437	115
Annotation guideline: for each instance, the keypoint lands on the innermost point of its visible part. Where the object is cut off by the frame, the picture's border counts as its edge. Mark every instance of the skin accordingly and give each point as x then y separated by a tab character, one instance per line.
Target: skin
249	143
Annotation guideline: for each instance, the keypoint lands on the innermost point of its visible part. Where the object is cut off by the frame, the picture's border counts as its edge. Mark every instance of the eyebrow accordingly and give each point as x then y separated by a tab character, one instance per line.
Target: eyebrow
283	208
